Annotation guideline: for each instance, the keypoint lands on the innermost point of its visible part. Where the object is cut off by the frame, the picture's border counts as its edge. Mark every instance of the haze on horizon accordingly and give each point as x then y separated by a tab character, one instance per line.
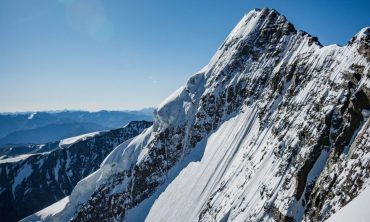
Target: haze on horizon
125	55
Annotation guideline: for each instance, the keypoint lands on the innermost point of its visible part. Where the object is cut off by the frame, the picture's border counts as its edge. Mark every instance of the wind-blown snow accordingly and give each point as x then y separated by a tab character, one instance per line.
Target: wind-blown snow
176	109
128	153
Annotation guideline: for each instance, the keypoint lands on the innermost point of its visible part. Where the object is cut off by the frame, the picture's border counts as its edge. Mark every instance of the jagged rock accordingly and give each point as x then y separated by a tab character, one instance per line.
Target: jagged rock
31	182
275	127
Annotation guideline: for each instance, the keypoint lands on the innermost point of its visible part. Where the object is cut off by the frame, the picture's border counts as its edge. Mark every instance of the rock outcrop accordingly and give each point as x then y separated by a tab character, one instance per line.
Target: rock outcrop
31	182
275	127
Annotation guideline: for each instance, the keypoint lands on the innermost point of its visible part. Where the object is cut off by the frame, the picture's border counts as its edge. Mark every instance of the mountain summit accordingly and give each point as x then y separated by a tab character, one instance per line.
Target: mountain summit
274	128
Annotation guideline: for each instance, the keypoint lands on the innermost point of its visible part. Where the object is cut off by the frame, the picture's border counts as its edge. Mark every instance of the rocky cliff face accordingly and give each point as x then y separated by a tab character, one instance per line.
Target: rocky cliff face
31	182
275	127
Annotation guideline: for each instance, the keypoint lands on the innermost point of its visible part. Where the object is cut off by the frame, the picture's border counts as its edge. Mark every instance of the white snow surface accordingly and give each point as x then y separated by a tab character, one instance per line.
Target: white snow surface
234	173
50	210
62	143
129	152
122	157
356	210
31	116
223	153
69	141
15	159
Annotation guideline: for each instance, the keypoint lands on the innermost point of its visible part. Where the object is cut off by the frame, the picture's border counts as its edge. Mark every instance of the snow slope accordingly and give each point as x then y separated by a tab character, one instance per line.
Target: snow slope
223	153
356	210
274	128
53	209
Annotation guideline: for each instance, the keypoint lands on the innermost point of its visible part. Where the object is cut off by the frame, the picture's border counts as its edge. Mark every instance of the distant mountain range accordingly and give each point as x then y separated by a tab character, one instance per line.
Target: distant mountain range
46	173
45	126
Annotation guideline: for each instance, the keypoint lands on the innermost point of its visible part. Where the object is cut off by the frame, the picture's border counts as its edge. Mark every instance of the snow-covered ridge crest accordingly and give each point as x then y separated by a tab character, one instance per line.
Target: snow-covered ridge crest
254	136
175	109
51	171
74	139
363	33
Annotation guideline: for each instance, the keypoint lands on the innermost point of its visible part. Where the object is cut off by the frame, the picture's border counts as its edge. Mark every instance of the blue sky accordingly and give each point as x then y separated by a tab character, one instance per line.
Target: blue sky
120	54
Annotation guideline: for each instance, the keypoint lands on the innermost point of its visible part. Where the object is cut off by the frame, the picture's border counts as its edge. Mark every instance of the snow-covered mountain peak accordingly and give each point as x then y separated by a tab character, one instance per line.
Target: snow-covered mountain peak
259	19
256	30
361	41
363	34
265	132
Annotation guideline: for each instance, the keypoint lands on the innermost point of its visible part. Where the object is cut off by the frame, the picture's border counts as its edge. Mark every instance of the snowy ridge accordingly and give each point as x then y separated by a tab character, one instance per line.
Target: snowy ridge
62	144
15	159
31	182
274	128
74	139
53	209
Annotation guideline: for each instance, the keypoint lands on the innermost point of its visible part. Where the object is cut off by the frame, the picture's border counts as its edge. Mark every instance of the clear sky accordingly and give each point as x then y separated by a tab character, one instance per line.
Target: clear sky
130	54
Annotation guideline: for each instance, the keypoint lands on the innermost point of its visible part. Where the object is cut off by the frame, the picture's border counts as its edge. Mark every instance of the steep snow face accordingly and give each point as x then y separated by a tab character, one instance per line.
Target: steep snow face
356	210
223	153
54	208
274	128
175	110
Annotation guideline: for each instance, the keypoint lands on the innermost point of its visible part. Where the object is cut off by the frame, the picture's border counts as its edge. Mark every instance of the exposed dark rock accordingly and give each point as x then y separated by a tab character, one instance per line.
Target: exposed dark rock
53	175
